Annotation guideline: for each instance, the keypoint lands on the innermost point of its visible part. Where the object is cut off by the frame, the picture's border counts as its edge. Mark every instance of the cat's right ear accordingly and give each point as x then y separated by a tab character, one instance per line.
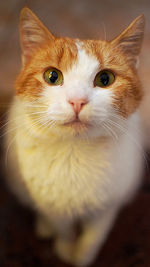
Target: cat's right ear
130	40
33	34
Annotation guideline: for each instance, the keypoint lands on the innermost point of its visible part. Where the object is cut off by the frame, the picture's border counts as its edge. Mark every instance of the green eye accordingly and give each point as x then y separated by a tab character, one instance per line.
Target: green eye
53	76
104	78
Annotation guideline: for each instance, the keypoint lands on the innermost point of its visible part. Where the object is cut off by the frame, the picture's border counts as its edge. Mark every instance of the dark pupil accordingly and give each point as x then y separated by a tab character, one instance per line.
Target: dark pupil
53	76
104	78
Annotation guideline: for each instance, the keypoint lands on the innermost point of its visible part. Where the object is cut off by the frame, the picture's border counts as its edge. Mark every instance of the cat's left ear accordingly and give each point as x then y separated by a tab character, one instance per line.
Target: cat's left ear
33	34
130	40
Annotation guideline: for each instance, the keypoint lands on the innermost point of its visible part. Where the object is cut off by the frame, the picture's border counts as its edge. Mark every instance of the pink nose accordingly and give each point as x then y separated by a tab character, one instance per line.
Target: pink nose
78	104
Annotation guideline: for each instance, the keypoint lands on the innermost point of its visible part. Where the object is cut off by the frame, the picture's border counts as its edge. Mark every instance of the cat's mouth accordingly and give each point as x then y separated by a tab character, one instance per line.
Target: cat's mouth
77	124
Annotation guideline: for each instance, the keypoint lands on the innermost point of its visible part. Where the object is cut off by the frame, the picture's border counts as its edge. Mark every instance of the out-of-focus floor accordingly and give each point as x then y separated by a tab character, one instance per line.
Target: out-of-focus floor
128	245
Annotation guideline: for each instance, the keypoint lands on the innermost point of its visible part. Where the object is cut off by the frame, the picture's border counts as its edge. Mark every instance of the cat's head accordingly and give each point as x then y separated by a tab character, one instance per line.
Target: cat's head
73	87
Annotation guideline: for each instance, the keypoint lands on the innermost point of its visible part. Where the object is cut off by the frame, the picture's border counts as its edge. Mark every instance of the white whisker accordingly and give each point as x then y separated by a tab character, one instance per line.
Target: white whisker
8	148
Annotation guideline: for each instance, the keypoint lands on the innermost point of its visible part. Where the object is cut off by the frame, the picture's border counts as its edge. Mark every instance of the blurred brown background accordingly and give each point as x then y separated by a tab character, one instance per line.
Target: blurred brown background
129	243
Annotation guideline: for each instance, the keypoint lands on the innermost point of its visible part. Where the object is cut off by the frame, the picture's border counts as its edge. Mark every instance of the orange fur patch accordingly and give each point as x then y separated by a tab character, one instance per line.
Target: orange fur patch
60	54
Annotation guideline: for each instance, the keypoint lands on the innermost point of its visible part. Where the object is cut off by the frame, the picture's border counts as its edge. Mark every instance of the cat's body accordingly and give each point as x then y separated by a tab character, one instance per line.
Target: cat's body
77	176
73	171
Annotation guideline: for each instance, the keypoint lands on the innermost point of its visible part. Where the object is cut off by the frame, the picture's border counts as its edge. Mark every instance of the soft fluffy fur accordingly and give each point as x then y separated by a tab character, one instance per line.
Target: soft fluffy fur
81	171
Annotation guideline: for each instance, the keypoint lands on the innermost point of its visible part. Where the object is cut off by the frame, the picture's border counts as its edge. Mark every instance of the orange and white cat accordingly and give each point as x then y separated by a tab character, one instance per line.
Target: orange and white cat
73	141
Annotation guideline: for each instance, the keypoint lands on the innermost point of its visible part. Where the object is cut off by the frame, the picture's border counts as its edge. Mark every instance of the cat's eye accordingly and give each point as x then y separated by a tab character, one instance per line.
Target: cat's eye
104	78
53	76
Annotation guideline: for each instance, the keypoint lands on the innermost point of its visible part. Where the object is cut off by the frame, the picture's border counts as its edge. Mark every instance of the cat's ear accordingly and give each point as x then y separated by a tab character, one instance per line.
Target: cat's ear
32	33
130	40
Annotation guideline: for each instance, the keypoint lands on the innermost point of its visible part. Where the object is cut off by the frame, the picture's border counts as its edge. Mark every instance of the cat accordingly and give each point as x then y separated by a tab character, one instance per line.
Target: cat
74	147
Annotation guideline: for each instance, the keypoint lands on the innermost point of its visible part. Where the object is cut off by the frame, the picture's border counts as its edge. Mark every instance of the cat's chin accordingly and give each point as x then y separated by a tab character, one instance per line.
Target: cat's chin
71	129
80	129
